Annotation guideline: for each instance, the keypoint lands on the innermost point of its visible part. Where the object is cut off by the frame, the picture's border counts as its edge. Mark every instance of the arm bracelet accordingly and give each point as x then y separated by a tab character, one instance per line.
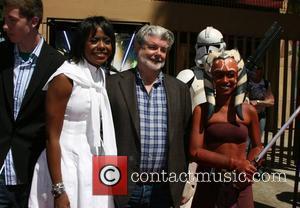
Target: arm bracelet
58	189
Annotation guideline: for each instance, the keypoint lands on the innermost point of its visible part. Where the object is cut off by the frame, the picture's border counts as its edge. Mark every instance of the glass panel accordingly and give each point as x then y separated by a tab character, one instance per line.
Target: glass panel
61	34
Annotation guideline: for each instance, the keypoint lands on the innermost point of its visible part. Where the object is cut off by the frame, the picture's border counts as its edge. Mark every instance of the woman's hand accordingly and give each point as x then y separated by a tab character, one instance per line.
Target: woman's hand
62	201
245	171
245	167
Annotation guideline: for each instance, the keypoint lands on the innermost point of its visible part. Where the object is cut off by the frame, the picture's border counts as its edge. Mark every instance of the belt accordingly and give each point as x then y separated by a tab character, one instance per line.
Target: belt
262	114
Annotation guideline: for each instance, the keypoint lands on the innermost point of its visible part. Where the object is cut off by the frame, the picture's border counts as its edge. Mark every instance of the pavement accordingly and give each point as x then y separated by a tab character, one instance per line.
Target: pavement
277	188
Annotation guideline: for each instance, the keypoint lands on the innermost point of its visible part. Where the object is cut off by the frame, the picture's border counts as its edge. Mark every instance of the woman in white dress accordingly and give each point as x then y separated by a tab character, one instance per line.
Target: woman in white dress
79	123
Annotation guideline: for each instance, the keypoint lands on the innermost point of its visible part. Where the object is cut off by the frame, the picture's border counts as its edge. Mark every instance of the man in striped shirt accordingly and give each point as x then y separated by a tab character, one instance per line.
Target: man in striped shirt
26	64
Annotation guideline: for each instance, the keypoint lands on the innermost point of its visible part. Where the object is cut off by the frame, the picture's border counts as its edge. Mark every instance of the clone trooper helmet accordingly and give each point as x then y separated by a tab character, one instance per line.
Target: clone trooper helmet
209	39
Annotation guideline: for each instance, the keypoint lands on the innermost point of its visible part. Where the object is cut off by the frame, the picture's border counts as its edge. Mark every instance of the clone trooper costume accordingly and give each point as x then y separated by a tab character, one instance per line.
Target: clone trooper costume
209	39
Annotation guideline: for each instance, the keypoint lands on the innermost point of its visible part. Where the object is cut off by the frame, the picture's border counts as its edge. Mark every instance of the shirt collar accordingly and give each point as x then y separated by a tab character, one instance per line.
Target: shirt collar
34	54
159	80
90	66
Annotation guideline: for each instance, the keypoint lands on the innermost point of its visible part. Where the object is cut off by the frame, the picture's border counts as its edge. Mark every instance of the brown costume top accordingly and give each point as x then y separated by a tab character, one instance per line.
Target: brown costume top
225	133
208	193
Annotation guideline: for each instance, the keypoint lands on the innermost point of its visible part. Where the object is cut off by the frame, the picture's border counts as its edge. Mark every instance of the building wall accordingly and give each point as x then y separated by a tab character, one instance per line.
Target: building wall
176	16
186	20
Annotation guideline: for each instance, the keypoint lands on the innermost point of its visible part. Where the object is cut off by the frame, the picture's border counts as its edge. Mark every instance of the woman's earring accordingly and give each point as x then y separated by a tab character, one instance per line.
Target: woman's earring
214	88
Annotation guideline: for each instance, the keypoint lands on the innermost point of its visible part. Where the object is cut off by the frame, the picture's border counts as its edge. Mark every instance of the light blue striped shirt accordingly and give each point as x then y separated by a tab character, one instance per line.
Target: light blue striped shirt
23	70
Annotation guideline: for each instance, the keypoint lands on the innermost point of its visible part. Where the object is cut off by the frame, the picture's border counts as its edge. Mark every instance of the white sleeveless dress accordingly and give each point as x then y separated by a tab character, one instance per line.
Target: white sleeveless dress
77	141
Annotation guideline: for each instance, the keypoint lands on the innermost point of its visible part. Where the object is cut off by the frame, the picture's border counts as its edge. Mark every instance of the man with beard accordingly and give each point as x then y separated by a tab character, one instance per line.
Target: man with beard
151	113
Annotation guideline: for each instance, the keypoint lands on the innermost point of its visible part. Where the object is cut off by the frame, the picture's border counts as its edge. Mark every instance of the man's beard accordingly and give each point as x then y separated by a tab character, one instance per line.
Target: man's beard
150	63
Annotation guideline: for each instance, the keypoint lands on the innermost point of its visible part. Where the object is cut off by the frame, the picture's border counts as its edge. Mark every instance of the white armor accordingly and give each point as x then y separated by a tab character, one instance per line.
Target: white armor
194	78
209	39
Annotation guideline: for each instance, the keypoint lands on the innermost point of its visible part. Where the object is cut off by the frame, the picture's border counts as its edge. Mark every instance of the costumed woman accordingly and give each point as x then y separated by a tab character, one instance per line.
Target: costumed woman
219	135
79	123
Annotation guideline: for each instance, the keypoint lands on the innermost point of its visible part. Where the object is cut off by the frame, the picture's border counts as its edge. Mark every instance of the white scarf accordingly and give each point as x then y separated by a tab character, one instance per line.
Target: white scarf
100	107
